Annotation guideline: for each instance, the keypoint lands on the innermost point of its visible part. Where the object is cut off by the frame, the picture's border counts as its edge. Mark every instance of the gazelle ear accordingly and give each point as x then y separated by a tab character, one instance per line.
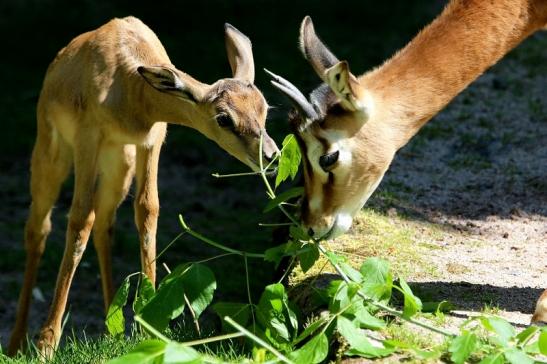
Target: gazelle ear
345	85
313	49
240	54
166	80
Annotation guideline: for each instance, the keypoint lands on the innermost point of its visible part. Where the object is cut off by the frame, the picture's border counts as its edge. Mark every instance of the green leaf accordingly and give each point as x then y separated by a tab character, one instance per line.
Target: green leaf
493	359
347	269
377	279
275	254
515	356
168	302
314	351
146	291
239	312
500	327
176	353
282	197
542	342
199	286
275	315
462	347
309	257
526	334
309	330
358	342
289	161
365	320
115	322
297	233
147	352
412	304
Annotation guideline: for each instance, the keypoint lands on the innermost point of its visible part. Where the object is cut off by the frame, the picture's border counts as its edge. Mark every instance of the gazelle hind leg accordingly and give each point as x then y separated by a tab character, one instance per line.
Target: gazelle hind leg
540	315
50	165
80	222
116	170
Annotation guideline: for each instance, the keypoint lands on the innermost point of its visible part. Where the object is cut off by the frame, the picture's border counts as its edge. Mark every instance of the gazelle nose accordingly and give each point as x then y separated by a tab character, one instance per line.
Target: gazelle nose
311	233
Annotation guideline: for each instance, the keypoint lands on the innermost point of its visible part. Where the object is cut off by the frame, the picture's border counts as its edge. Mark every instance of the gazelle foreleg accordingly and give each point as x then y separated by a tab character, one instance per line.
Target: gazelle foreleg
116	170
50	165
147	206
81	218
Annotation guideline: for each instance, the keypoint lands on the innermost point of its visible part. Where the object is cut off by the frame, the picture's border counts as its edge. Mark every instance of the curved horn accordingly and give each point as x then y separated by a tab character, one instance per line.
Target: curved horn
304	107
313	49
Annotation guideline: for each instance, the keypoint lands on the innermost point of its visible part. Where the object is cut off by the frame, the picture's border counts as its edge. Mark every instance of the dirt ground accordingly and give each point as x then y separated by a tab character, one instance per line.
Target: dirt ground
471	188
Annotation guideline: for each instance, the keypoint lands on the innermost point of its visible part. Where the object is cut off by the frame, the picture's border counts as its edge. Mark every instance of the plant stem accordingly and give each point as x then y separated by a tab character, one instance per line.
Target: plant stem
215	244
251	306
258	340
213	339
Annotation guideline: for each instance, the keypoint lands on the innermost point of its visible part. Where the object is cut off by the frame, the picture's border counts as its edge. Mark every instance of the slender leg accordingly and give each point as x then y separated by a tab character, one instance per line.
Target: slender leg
540	315
116	170
147	206
80	222
50	166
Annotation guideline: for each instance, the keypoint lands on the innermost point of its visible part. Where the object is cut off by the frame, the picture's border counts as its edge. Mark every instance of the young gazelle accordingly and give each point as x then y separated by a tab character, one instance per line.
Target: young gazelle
351	127
103	108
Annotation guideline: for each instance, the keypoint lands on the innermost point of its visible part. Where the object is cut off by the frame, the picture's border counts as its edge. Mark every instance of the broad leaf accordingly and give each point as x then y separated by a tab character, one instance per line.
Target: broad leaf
274	314
365	320
493	359
412	304
500	327
289	161
168	302
145	293
199	286
542	342
275	254
239	312
282	197
115	322
309	257
515	356
147	352
462	347
347	269
309	330
314	351
526	334
377	279
176	353
359	344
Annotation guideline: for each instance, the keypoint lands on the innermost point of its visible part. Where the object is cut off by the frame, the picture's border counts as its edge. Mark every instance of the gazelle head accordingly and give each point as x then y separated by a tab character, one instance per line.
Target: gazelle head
232	111
345	151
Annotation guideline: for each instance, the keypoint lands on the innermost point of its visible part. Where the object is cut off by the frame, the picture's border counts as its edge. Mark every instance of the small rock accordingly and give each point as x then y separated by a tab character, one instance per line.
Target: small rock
505	235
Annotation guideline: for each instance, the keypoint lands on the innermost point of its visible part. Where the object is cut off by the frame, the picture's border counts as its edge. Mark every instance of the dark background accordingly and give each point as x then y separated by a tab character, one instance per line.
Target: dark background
33	31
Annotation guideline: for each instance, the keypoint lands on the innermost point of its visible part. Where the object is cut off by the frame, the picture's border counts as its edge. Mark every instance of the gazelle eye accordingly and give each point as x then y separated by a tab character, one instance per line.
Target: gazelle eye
225	121
328	161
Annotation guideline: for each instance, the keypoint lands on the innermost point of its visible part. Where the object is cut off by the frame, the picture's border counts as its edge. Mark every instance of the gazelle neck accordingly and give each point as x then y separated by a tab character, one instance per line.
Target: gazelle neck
467	38
167	108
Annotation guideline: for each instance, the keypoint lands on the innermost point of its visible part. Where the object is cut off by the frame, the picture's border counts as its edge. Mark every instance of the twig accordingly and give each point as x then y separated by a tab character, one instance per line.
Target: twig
196	322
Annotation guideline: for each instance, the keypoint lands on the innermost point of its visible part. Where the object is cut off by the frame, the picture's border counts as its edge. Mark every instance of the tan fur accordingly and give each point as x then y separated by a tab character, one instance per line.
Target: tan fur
398	97
98	113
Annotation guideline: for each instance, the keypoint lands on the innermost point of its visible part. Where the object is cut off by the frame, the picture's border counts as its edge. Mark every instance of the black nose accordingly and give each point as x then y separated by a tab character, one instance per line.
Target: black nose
310	232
